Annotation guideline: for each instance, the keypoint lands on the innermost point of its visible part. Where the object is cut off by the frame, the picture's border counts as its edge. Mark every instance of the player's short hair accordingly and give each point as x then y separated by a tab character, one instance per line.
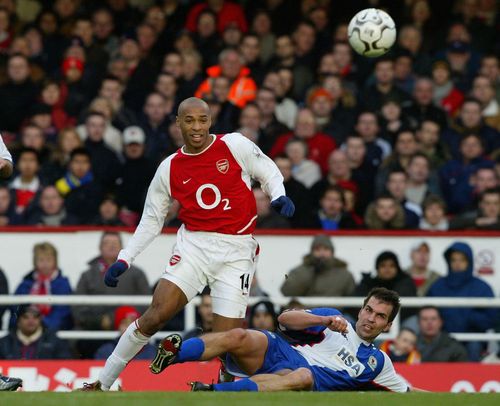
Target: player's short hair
387	296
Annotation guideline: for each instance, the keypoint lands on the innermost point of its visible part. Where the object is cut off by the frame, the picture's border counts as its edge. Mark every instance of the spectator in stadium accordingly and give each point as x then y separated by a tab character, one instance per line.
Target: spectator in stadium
8	215
281	82
333	213
174	290
296	368
396	185
384	87
154	122
482	90
404	148
486	217
52	96
362	171
250	50
490	67
455	175
123	316
367	127
266	216
460	282
385	213
404	76
285	57
389	275
46	279
320	274
434	214
422	181
167	86
422	107
205	316
30	339
433	343
135	176
470	121
90	283
231	65
304	170
428	138
296	191
18	94
228	114
72	85
103	28
445	94
26	185
271	127
67	140
32	137
422	276
103	153
109	212
320	145
392	121
112	90
49	210
403	347
81	191
191	76
263	316
226	12
410	39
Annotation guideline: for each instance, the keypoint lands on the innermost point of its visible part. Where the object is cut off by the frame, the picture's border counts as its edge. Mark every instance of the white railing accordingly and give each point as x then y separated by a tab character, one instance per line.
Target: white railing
190	310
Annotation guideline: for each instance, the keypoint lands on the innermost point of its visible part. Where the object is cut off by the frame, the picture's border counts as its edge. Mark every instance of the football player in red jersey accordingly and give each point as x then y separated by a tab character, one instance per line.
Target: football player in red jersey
210	177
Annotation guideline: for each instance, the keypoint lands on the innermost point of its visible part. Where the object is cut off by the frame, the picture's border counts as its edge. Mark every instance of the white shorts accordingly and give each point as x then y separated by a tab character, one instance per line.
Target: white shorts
226	263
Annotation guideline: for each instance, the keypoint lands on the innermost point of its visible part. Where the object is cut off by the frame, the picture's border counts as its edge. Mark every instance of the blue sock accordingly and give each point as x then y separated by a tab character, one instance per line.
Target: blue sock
191	350
243	385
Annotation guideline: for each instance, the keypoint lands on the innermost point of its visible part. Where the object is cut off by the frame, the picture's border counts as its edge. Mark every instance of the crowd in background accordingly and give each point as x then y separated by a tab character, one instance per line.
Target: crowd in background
411	140
323	272
88	98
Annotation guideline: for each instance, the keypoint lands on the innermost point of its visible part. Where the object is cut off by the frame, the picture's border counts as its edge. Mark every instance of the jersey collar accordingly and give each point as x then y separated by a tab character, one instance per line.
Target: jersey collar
201	152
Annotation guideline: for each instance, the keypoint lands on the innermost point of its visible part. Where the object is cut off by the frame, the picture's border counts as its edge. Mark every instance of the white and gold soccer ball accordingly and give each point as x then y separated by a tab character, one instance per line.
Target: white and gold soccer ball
372	32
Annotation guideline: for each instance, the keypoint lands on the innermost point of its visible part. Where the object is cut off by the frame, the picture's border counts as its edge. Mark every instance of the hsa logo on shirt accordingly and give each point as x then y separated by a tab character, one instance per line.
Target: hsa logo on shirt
350	361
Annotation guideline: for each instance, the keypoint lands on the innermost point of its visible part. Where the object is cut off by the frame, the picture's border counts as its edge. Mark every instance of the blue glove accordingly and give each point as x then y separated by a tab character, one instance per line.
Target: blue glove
284	206
113	272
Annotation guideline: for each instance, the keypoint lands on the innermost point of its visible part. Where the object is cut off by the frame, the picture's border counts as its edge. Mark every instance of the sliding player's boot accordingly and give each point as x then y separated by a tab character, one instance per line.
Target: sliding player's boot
166	353
197	386
10	384
90	387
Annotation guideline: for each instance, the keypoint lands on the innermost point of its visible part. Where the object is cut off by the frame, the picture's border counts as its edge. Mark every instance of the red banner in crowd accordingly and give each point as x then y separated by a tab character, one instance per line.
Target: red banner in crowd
69	375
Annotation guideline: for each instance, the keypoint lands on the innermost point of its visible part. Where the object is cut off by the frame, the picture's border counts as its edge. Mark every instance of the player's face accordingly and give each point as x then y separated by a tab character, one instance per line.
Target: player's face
373	319
195	123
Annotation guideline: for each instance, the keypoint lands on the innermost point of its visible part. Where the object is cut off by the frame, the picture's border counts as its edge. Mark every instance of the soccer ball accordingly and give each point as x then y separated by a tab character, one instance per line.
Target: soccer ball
371	32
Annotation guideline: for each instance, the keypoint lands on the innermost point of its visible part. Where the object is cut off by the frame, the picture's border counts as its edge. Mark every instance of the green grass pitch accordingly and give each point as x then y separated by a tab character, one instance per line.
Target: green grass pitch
247	399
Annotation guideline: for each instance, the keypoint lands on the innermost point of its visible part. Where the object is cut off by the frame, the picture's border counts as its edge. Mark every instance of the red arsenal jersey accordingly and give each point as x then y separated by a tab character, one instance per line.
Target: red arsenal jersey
211	191
213	188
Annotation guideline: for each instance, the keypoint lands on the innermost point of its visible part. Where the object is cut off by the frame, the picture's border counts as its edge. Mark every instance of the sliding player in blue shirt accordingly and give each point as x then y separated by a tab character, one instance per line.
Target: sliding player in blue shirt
313	350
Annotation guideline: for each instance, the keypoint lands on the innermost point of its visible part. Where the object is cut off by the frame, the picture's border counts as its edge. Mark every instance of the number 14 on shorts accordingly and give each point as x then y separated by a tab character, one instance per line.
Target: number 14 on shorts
245	283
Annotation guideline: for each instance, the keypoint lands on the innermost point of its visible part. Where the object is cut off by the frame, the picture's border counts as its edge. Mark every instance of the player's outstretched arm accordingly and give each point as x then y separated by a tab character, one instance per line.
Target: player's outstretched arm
300	320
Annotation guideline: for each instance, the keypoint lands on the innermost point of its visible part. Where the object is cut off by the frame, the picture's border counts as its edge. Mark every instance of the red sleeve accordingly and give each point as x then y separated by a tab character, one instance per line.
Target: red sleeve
192	18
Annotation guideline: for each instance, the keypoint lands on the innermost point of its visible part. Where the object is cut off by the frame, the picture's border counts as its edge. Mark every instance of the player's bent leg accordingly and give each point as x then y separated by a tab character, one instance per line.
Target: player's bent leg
299	379
221	323
168	299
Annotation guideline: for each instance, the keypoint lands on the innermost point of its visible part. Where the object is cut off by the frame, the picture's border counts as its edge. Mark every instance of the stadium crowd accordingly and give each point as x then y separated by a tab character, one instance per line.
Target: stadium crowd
88	97
89	91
